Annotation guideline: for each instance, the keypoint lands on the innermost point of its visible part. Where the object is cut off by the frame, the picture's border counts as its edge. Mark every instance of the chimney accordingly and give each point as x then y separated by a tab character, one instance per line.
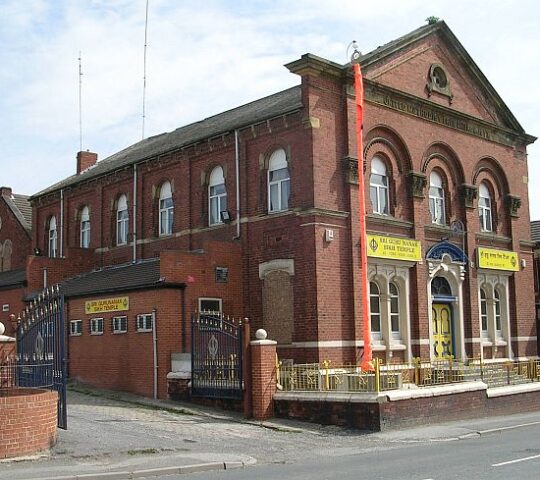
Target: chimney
5	191
85	160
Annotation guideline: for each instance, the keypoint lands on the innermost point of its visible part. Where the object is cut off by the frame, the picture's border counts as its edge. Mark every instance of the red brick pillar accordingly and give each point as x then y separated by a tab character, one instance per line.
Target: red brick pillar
263	375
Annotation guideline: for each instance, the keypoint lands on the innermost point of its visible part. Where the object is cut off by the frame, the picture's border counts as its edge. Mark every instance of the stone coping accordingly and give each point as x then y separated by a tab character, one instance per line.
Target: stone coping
382	397
513	390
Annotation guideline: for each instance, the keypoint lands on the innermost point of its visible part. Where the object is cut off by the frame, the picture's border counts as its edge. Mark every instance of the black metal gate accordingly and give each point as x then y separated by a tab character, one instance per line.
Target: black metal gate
41	349
216	356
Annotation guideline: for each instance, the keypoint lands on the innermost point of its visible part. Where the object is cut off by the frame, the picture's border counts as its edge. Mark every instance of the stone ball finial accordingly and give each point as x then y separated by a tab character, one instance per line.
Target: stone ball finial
261	334
2	328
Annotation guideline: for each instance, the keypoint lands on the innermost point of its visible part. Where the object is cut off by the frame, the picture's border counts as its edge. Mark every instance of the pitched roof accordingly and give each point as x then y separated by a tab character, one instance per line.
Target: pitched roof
13	278
131	276
265	108
21	208
535	231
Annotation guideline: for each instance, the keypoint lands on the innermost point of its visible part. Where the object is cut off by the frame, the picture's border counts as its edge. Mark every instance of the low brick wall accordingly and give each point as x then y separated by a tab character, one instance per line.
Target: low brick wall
7	349
399	409
28	420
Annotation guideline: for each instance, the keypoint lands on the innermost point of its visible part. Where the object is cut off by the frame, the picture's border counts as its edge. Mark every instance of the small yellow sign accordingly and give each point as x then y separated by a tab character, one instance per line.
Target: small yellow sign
395	248
117	304
494	259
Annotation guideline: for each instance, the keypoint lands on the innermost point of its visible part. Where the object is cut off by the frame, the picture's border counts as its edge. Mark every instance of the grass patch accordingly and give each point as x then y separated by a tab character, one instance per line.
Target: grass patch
142	451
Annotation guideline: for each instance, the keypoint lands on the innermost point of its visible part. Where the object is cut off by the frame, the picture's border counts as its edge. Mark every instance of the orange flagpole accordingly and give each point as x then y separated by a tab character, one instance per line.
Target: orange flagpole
367	358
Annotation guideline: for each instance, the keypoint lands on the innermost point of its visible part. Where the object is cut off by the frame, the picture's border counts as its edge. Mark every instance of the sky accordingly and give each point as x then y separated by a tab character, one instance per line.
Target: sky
204	57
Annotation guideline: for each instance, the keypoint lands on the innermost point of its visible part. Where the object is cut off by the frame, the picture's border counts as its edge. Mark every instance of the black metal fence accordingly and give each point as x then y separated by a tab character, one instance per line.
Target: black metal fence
216	356
41	360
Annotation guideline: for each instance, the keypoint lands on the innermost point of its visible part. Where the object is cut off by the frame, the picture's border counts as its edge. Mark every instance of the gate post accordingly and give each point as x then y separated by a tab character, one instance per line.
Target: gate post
246	366
263	375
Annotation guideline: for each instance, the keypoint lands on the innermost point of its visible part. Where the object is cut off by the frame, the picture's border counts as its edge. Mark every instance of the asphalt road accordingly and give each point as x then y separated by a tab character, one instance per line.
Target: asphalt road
507	454
110	435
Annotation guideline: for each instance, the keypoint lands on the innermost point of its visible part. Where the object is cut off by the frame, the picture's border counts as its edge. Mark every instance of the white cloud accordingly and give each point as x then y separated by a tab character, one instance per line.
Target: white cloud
205	57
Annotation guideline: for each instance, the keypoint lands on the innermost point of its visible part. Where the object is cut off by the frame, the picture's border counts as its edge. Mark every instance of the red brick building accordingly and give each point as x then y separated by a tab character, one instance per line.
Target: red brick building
265	198
15	246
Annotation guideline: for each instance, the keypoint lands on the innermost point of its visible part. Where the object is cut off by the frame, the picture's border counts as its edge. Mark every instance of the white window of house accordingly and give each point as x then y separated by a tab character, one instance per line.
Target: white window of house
119	324
217	196
210	305
436	199
96	326
166	209
85	227
122	221
144	322
484	208
483	312
375	310
378	187
279	182
75	328
394	310
53	237
498	316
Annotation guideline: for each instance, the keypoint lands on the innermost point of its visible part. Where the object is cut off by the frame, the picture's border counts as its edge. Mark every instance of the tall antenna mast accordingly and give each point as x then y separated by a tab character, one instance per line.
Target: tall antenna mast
80	102
144	69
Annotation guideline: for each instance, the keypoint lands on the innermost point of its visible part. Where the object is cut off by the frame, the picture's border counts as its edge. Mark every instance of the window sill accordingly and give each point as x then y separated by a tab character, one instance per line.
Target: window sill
75	334
397	346
96	333
120	333
378	219
144	331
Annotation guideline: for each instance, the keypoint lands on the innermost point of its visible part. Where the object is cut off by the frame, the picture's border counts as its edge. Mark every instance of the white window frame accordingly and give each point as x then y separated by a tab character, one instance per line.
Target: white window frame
217	196
143	319
485	209
96	326
497	313
375	334
75	328
484	317
85	228
210	299
496	287
122	221
396	334
281	186
118	322
166	210
378	191
437	203
53	237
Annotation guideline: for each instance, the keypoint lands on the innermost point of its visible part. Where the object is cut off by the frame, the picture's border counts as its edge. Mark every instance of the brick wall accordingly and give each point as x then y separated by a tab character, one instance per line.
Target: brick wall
13	231
28	419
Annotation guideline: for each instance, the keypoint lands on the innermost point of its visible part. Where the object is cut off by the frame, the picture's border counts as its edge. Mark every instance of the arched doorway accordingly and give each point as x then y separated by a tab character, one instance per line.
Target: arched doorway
442	324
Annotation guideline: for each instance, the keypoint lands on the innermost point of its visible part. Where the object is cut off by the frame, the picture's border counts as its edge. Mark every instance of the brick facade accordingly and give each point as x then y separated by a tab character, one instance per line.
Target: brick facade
304	258
28	419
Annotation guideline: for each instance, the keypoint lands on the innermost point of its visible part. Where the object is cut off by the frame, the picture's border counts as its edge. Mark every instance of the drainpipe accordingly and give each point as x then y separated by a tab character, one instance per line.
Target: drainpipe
237	165
134	213
154	343
45	277
61	223
184	320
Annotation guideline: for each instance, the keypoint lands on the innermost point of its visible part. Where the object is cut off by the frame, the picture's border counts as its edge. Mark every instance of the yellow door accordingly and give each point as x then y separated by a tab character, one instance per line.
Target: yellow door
441	336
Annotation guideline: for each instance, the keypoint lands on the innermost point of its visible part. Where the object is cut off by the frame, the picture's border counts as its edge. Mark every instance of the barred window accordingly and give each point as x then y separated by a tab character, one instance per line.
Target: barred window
75	327
96	326
119	324
144	322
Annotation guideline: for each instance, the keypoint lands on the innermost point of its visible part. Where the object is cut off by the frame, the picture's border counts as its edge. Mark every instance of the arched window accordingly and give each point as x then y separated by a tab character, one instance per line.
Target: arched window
484	208
122	221
394	310
85	227
440	287
53	237
375	310
279	182
436	199
498	322
378	187
166	209
483	312
217	196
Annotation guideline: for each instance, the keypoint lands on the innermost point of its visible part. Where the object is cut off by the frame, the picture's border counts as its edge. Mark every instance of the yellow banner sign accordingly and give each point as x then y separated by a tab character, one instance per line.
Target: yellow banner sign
498	259
117	304
394	248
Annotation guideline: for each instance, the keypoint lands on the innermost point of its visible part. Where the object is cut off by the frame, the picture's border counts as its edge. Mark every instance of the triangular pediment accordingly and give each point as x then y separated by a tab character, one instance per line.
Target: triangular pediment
430	63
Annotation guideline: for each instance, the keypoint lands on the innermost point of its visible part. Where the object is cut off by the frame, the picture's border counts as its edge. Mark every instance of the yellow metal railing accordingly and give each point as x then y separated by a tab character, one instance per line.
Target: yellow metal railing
325	376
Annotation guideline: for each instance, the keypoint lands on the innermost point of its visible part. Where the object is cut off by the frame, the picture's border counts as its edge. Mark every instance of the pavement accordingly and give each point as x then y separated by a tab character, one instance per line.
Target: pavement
114	435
